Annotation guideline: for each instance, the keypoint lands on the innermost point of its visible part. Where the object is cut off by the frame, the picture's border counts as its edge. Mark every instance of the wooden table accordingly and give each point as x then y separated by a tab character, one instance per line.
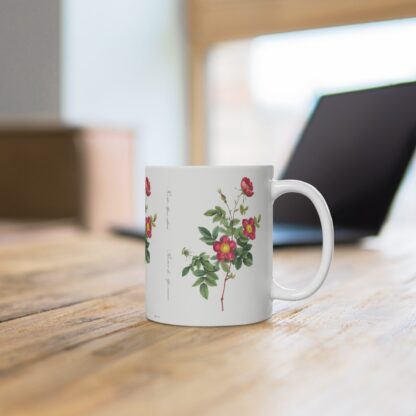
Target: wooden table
74	339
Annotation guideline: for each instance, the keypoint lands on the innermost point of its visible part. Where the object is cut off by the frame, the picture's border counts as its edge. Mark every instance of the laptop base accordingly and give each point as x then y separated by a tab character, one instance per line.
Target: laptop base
304	235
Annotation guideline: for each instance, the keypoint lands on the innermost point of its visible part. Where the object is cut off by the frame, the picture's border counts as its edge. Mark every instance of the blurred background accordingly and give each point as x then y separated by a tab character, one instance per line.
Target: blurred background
92	91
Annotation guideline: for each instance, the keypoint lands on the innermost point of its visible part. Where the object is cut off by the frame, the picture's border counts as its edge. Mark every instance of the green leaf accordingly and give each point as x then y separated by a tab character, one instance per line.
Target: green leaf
224	222
208	266
147	255
208	241
247	262
210	212
241	242
203	289
233	222
198	281
217	218
224	266
211	282
205	233
212	276
220	211
215	232
214	257
238	232
257	221
248	259
185	270
198	273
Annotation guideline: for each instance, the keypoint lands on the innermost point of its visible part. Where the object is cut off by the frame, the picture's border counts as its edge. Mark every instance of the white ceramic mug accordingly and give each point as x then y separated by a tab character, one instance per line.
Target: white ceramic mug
209	244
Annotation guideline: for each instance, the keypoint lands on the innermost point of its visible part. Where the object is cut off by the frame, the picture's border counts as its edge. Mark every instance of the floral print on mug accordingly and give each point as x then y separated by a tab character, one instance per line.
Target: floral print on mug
230	240
149	224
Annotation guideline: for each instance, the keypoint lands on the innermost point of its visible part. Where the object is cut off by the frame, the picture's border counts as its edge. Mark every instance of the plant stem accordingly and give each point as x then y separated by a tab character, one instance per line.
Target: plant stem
228	207
232	215
236	202
223	289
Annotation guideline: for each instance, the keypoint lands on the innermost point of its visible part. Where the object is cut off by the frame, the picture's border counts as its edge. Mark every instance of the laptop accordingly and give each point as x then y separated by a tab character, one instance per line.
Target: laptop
354	149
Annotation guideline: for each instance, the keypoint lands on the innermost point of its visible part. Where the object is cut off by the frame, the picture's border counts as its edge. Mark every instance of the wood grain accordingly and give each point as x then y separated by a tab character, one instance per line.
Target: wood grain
73	270
85	347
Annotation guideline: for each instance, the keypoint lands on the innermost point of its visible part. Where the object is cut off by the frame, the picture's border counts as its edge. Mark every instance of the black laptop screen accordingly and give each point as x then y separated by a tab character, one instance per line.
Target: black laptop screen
355	149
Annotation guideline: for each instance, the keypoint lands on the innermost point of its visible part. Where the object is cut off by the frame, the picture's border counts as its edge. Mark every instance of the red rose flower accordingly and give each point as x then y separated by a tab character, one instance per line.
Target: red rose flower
249	228
149	227
147	186
247	186
225	248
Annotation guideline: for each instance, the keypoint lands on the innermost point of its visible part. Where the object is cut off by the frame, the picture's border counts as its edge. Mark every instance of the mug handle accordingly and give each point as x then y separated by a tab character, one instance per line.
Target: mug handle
279	188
